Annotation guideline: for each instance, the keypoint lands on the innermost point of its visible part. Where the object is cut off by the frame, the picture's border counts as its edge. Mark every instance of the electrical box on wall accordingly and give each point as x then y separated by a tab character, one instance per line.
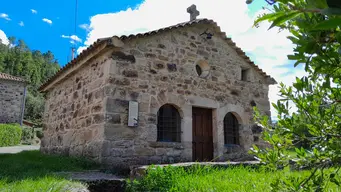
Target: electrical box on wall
133	114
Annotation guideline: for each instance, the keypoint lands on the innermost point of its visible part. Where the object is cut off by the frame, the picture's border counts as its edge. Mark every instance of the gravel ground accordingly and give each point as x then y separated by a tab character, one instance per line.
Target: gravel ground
18	149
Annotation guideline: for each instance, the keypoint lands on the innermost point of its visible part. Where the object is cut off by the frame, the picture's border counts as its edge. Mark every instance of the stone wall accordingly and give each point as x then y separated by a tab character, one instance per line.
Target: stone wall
86	114
11	101
161	69
74	112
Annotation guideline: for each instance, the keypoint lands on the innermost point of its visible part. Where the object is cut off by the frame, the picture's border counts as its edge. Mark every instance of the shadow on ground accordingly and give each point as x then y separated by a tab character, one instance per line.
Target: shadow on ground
27	170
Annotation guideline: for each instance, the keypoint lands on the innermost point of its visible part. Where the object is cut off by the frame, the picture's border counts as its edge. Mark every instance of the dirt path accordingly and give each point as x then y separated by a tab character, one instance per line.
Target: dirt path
18	149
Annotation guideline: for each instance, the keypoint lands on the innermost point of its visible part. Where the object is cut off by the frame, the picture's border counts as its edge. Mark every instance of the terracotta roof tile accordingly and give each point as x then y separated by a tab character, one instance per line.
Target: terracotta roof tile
10	77
100	41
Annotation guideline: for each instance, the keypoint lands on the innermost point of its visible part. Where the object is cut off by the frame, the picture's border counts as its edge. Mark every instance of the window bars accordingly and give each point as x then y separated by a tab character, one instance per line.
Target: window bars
231	135
168	124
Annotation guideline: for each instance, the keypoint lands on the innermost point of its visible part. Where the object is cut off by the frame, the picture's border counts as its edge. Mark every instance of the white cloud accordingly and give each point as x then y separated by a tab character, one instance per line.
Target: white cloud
34	11
47	21
73	38
269	49
4	16
21	23
86	27
3	37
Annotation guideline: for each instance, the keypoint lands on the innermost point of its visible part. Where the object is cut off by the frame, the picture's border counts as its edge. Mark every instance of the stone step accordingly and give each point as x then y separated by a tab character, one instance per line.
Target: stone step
97	181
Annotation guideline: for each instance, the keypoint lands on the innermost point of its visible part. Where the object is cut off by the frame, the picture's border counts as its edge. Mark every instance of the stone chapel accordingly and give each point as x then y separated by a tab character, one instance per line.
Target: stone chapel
177	94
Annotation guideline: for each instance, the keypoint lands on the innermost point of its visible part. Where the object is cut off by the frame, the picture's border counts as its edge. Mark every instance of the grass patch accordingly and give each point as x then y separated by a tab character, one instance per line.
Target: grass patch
10	134
49	183
212	179
33	171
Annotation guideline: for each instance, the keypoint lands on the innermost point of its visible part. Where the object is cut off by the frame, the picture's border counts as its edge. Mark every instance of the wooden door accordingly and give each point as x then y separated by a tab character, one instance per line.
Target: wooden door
202	134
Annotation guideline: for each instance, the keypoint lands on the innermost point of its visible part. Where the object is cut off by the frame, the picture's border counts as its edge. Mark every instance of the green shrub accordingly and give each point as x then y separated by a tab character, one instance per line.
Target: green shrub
39	134
10	134
27	135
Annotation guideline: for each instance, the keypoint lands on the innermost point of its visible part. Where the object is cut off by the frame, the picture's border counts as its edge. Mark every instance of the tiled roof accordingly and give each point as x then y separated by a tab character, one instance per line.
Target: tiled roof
101	41
10	77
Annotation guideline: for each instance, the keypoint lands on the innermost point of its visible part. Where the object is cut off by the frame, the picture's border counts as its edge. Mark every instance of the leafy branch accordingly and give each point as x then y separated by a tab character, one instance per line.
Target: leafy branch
313	130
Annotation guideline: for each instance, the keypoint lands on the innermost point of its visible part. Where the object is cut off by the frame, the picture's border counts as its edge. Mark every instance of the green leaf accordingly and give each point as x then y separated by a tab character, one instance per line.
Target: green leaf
332	23
331	11
297	63
311	47
282	19
275	106
306	68
294	57
335	181
269	17
317	3
338	37
293	39
249	1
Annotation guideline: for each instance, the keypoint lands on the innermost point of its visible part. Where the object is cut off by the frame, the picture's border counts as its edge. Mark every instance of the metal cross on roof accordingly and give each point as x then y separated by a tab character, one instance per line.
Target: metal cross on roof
192	10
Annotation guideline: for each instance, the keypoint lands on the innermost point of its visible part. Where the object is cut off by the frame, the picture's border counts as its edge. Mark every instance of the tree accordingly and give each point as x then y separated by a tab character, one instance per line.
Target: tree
315	126
17	59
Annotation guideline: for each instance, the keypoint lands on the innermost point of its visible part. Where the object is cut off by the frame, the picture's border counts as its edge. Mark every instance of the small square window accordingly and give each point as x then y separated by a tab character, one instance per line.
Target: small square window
245	73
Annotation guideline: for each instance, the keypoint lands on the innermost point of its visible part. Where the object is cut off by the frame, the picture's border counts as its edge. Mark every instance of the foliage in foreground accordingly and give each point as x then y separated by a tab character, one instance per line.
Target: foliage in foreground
30	135
31	170
313	131
207	178
10	134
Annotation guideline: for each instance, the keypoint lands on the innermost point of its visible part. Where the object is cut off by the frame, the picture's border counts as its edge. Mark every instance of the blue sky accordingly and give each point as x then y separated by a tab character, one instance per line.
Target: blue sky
43	36
103	18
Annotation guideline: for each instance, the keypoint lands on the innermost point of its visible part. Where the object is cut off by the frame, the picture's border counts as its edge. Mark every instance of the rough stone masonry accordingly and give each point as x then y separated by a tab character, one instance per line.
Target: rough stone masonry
12	98
86	112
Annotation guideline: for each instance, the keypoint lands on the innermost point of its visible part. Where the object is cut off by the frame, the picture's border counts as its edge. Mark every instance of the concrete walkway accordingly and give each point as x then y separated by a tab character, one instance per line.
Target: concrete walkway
18	149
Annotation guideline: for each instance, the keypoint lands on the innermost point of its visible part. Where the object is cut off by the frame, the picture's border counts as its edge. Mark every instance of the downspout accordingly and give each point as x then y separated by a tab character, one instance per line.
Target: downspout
23	107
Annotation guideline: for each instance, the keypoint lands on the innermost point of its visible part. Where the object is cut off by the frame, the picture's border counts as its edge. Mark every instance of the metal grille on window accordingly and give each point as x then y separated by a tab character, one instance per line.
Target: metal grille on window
231	129
168	124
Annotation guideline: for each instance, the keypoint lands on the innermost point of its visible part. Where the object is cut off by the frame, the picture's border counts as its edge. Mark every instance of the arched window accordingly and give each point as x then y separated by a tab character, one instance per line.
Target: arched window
168	124
231	129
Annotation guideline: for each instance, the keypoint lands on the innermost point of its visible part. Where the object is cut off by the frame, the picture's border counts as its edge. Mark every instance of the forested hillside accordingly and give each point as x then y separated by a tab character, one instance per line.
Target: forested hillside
17	59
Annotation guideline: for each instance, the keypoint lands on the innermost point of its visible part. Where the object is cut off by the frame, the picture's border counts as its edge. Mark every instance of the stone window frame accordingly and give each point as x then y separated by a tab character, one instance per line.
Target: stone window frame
202	69
245	73
235	132
166	128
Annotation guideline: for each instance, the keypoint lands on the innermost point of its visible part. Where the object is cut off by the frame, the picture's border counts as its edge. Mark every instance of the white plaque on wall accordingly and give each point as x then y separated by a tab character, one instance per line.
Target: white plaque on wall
133	114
